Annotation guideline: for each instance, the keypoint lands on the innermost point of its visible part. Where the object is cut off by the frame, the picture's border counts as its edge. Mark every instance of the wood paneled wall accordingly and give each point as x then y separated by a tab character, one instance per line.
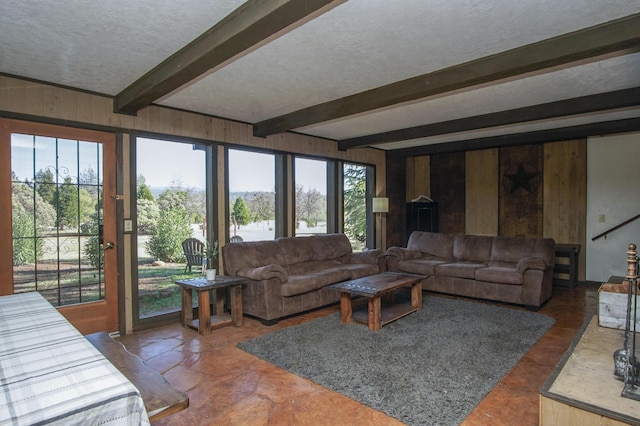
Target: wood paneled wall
565	195
520	191
482	192
397	174
555	209
448	189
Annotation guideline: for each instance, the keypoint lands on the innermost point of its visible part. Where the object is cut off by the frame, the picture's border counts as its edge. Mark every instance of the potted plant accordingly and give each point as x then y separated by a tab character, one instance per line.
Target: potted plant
211	253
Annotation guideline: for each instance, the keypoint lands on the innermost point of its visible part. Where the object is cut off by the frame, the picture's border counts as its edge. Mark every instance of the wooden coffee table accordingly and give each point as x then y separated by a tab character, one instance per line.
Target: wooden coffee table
205	321
374	288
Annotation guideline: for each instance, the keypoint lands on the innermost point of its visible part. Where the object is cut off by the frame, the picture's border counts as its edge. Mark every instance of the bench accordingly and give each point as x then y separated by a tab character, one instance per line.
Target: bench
160	399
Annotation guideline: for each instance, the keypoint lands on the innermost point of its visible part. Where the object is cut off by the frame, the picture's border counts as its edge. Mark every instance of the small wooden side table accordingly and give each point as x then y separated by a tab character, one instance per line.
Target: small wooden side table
205	321
569	251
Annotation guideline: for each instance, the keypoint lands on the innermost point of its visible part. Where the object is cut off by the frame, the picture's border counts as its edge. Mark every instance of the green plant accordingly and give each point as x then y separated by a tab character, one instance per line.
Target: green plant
211	252
172	228
27	247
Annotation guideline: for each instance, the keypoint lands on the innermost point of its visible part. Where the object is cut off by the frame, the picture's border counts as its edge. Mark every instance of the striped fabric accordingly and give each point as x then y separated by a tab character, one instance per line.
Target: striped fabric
50	374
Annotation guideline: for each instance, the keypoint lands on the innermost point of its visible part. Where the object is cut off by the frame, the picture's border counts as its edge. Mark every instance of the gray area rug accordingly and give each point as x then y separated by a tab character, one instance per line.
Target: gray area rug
429	368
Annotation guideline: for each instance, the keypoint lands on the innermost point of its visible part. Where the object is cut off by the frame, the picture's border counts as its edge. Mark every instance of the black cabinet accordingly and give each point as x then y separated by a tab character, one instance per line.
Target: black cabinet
422	217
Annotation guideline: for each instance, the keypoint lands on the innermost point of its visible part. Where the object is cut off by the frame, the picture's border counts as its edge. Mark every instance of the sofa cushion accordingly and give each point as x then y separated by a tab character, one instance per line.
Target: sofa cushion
264	273
252	254
459	269
506	249
311	266
298	284
359	270
472	248
499	275
420	266
432	243
317	247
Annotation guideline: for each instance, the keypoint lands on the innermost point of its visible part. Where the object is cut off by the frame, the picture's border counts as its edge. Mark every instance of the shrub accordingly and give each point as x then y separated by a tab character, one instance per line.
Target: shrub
172	228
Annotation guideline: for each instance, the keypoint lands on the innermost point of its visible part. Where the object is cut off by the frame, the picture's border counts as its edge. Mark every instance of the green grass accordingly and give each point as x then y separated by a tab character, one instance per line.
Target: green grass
157	291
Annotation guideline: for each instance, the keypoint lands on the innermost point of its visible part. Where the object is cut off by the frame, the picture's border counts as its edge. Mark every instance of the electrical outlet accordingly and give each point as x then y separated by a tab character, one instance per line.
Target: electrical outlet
128	225
602	218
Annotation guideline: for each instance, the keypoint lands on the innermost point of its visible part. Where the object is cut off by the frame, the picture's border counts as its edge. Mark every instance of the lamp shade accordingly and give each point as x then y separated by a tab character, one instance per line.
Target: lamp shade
380	205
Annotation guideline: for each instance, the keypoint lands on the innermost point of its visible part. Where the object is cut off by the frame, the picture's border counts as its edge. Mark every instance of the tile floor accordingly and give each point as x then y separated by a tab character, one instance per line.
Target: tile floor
227	386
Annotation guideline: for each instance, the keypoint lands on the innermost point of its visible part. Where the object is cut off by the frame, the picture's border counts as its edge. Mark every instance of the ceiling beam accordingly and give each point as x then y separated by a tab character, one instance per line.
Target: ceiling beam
526	138
621	36
582	105
250	26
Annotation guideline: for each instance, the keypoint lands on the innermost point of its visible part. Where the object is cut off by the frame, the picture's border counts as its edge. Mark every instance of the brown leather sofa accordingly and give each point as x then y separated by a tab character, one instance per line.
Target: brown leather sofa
289	275
512	270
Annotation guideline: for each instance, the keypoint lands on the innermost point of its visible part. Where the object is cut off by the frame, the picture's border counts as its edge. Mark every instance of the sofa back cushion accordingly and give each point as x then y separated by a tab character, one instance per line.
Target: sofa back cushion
318	247
432	244
511	250
252	254
507	249
475	248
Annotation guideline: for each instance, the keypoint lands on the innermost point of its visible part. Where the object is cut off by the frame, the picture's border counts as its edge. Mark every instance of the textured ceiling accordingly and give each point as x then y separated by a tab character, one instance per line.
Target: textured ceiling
352	47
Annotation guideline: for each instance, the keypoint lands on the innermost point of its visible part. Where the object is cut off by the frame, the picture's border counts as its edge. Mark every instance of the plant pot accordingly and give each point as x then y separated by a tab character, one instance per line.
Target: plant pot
211	274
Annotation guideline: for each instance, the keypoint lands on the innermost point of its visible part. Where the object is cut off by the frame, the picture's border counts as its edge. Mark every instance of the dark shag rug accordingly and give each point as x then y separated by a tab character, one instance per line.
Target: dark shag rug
428	368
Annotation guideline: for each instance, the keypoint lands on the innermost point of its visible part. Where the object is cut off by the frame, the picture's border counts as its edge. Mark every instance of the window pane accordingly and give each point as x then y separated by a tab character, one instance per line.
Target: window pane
355	205
251	195
311	196
56	212
171	194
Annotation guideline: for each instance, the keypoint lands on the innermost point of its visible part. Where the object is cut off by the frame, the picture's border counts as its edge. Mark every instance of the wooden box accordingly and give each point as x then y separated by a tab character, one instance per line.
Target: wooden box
612	306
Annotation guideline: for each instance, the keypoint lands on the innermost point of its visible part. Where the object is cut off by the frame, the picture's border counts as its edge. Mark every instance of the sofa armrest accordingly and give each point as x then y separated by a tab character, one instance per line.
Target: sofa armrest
403	253
531	263
265	273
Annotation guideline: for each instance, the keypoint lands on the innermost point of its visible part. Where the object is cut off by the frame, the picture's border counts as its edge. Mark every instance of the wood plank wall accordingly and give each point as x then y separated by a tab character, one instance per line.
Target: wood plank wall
557	209
565	195
397	174
520	210
482	192
448	189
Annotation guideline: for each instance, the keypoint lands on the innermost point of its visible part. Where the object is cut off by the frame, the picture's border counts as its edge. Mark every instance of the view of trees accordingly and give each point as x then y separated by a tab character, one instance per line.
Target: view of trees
168	219
42	205
311	206
355	193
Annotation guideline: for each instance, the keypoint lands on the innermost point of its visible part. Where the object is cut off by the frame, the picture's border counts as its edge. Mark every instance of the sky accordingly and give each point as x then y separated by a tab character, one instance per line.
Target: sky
162	163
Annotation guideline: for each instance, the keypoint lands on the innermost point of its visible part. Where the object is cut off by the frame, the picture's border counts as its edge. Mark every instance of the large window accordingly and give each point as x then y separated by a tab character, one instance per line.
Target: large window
252	202
311	197
171	207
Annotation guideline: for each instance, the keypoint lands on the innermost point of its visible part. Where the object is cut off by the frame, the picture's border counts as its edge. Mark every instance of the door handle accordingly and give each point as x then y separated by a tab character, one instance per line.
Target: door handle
108	246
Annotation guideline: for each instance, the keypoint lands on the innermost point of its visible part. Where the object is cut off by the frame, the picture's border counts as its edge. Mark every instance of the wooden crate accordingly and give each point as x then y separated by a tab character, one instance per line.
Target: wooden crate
612	306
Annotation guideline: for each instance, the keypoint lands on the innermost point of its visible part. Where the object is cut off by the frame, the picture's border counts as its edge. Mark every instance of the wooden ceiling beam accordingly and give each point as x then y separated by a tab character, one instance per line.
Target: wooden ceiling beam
525	138
620	36
250	26
582	105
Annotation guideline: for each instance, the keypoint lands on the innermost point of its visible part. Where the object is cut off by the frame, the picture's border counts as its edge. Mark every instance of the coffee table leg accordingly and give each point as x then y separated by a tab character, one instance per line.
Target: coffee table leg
236	305
187	306
204	313
375	322
416	295
345	307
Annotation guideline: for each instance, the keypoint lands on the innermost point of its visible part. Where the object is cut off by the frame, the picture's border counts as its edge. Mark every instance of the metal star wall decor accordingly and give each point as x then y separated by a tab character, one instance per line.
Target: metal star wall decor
521	180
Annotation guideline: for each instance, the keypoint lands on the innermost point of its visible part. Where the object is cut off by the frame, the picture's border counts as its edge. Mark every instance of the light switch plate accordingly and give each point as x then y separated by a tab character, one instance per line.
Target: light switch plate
128	225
